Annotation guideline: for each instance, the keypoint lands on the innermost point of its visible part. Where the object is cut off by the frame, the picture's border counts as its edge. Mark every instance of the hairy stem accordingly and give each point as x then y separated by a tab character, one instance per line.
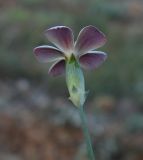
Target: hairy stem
86	133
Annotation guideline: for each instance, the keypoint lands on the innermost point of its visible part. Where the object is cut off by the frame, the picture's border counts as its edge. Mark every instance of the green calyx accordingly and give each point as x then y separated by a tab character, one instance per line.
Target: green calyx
75	82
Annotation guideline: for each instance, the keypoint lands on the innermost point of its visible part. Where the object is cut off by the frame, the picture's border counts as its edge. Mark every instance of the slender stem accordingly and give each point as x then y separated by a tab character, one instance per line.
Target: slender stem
86	134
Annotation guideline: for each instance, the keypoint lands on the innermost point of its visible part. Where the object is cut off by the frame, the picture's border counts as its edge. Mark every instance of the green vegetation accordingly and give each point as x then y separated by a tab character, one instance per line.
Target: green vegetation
22	22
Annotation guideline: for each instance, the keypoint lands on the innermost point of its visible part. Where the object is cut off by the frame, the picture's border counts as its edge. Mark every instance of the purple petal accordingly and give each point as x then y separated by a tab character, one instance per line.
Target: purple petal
89	38
62	37
57	68
47	53
92	59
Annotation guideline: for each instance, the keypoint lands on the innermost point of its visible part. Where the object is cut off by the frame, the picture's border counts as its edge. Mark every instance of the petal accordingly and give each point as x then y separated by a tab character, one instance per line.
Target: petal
92	59
62	37
57	68
89	38
47	53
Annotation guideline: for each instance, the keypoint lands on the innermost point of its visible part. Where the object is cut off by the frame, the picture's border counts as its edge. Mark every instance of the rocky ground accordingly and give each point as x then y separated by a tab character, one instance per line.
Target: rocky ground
33	126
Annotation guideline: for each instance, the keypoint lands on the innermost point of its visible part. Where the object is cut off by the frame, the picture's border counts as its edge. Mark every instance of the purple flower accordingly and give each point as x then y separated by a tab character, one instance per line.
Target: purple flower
83	49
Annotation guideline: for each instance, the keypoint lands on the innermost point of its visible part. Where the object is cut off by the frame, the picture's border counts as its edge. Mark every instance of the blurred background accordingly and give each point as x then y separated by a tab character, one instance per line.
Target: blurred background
36	119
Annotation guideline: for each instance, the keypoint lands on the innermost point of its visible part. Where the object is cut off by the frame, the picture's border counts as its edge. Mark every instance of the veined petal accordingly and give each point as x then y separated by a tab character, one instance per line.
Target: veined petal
62	37
47	53
57	68
92	59
89	38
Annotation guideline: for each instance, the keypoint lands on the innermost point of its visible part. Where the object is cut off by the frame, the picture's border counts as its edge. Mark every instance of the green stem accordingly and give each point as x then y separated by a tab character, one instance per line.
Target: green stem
86	133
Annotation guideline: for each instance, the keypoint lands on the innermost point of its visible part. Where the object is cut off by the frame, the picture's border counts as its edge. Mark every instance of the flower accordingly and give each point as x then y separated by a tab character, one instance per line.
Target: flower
69	57
89	39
